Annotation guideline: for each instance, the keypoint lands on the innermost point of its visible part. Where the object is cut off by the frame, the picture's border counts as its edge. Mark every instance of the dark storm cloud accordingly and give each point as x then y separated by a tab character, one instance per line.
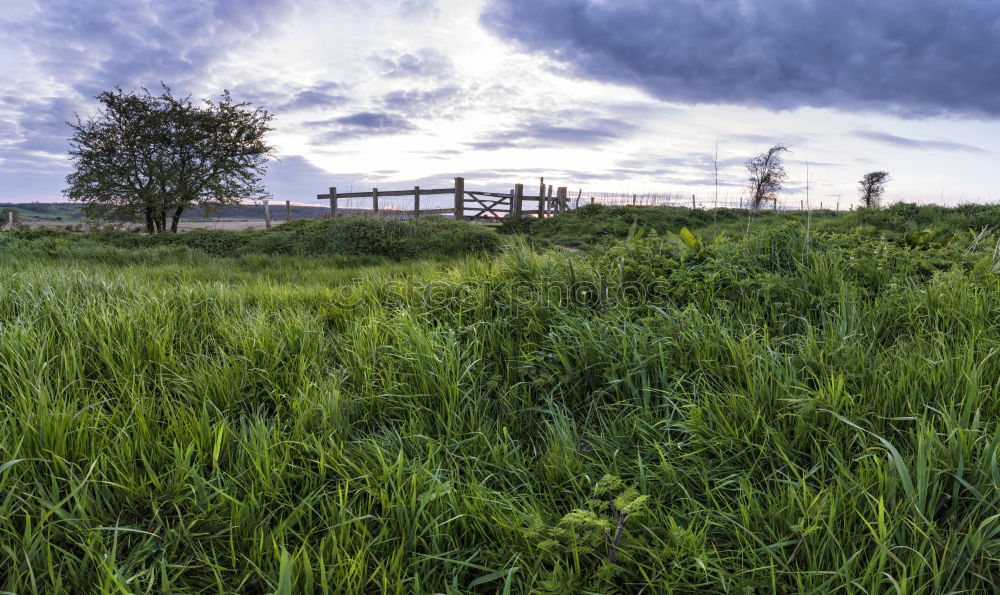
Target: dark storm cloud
542	133
912	143
913	59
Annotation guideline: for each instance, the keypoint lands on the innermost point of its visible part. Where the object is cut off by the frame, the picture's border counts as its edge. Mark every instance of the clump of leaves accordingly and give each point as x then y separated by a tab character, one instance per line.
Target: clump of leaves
693	244
643	259
592	535
927	238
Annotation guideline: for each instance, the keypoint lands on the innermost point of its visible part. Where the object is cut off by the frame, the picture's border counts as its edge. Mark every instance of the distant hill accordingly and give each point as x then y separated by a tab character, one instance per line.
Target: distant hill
60	211
45	211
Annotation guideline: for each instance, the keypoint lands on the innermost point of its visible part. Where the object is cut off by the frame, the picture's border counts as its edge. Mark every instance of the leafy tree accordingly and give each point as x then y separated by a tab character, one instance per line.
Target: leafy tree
766	175
144	156
871	187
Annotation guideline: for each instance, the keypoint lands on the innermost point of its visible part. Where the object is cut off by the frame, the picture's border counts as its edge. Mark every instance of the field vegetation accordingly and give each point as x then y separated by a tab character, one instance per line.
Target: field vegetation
599	225
687	404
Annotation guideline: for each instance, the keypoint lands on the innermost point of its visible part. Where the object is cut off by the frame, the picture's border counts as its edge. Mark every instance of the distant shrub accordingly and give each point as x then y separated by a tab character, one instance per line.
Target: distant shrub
217	242
345	236
516	226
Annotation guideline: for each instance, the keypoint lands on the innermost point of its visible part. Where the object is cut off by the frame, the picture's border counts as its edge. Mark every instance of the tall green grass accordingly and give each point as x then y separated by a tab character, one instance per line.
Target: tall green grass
599	225
812	416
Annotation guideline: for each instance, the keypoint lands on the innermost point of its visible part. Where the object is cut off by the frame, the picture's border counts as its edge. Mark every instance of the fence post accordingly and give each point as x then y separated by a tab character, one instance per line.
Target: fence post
288	211
578	195
459	199
549	209
561	198
591	200
634	197
693	205
518	201
375	200
541	198
267	215
333	202
416	201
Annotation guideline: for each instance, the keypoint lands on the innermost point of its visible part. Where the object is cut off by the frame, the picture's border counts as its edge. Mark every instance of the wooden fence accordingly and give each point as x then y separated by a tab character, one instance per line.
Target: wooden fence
494	206
467	204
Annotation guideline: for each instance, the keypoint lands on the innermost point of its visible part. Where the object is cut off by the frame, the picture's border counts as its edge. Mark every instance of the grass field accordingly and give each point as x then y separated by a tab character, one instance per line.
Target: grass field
368	407
55	216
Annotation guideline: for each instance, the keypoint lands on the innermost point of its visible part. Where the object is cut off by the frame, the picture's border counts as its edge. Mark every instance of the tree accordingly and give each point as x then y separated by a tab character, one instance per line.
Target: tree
766	174
144	156
715	168
871	187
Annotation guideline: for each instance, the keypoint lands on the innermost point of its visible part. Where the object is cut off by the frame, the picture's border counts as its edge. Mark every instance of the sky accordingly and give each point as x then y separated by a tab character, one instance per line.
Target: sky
596	95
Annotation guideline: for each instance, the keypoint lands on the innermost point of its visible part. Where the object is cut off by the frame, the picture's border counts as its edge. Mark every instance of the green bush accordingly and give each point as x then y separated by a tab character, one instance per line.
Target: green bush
345	236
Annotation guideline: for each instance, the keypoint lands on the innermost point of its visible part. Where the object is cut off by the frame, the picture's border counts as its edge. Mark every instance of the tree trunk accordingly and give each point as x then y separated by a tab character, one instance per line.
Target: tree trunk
162	221
176	217
150	229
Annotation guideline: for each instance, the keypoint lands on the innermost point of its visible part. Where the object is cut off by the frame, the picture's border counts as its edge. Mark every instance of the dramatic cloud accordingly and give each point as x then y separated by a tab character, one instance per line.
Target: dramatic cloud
427	62
39	124
320	95
546	133
912	143
280	97
913	59
95	44
76	49
359	125
417	103
402	92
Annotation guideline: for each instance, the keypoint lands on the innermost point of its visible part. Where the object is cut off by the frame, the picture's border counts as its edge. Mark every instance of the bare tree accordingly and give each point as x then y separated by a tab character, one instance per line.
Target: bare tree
871	188
715	167
766	174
